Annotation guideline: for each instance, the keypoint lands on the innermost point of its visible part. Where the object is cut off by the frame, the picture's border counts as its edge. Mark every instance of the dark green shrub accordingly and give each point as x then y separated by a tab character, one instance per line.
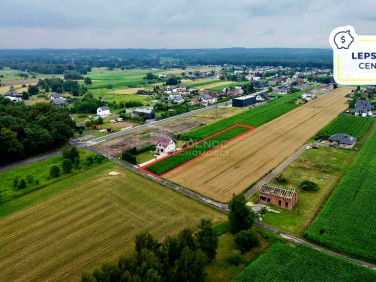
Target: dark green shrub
309	186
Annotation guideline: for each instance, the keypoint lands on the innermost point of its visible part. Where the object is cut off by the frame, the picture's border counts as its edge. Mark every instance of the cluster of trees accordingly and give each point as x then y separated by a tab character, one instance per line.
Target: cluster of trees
71	160
87	105
240	221
59	85
131	154
177	258
21	183
308	185
69	74
30	130
58	61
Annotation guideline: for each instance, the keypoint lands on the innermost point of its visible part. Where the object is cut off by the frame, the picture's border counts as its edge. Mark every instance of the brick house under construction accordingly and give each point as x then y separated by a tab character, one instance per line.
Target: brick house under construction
279	196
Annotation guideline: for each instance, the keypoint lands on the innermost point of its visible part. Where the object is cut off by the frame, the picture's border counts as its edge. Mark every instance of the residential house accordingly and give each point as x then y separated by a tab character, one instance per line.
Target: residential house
342	140
176	99
258	84
207	100
13	99
181	88
56	96
204	92
261	97
103	111
170	89
12	93
280	196
363	108
281	90
308	96
58	102
194	101
164	145
191	76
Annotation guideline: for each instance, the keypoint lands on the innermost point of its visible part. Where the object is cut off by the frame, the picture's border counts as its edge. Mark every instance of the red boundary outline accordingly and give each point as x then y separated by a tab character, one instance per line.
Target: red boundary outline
199	156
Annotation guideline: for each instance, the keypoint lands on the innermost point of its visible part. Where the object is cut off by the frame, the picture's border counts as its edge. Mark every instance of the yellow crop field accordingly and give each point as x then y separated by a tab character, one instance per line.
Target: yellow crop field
94	219
242	162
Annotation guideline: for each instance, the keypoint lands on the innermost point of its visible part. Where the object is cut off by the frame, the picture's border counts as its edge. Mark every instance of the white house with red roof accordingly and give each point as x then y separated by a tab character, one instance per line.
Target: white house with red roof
164	145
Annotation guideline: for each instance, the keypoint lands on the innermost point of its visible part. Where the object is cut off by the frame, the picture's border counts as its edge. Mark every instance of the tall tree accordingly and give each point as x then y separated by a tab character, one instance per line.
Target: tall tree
240	216
207	238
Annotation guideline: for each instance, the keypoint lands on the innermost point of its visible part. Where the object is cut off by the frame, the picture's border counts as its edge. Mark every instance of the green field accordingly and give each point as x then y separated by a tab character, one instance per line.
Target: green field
301	263
254	117
40	172
347	221
352	125
182	157
325	167
75	224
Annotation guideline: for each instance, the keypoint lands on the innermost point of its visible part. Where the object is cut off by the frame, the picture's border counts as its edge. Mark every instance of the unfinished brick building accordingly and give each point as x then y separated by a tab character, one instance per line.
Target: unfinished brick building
279	196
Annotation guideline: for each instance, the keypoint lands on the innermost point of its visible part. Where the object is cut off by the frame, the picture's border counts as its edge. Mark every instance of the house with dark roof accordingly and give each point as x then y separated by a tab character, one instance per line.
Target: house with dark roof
58	102
103	111
56	96
164	145
12	93
363	108
262	97
144	113
342	140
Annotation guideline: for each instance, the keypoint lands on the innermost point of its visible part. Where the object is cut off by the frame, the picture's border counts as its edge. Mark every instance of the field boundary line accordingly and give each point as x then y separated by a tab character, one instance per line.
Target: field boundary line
250	128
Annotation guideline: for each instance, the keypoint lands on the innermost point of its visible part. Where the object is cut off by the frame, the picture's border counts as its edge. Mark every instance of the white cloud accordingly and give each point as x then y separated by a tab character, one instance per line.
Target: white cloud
177	23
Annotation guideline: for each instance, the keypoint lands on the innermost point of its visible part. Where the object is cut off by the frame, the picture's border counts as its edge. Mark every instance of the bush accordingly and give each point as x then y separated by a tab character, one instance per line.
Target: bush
245	240
98	158
15	182
281	179
100	120
54	171
89	160
129	157
67	165
76	163
235	258
29	178
309	186
22	184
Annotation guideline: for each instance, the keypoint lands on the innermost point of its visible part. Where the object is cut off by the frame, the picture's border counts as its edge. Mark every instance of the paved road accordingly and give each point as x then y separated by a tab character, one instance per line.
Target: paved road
151	124
31	160
250	192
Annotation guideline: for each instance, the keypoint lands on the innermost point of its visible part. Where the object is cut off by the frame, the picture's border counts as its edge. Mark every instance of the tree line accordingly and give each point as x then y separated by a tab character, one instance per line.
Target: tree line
177	258
29	130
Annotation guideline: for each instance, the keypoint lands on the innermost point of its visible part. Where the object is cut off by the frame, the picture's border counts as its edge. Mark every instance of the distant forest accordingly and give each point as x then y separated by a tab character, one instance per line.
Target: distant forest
51	61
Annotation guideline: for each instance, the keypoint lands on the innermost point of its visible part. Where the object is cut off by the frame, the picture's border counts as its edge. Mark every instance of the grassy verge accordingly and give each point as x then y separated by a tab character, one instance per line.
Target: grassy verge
38	173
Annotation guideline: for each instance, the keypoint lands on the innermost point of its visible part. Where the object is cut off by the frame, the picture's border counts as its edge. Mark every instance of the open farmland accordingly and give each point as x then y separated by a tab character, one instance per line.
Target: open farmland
196	150
93	218
253	155
254	117
352	125
347	221
302	263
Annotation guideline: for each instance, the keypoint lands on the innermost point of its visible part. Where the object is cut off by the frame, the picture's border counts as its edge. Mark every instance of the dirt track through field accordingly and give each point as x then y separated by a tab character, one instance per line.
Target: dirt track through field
245	160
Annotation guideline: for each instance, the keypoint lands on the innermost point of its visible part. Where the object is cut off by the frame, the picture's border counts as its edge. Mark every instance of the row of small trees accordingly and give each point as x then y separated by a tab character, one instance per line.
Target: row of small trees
177	258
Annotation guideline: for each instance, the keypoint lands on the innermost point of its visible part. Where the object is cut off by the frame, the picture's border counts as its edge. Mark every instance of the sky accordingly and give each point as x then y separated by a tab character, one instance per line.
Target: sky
29	24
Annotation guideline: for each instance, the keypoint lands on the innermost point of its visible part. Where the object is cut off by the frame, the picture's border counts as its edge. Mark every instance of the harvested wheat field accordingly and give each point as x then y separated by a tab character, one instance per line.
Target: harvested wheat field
245	160
92	219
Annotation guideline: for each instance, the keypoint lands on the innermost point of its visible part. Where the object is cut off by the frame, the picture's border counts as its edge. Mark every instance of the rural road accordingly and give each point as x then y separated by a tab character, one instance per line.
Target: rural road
111	136
250	192
151	124
224	207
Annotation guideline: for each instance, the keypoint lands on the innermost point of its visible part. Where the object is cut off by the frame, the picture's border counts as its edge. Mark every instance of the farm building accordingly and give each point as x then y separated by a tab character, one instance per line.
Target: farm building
279	196
342	140
244	101
58	102
164	145
363	108
12	93
56	96
103	111
145	113
308	96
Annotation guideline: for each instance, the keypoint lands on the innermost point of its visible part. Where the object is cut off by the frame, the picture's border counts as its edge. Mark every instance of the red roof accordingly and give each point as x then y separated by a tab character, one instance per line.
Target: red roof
163	140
